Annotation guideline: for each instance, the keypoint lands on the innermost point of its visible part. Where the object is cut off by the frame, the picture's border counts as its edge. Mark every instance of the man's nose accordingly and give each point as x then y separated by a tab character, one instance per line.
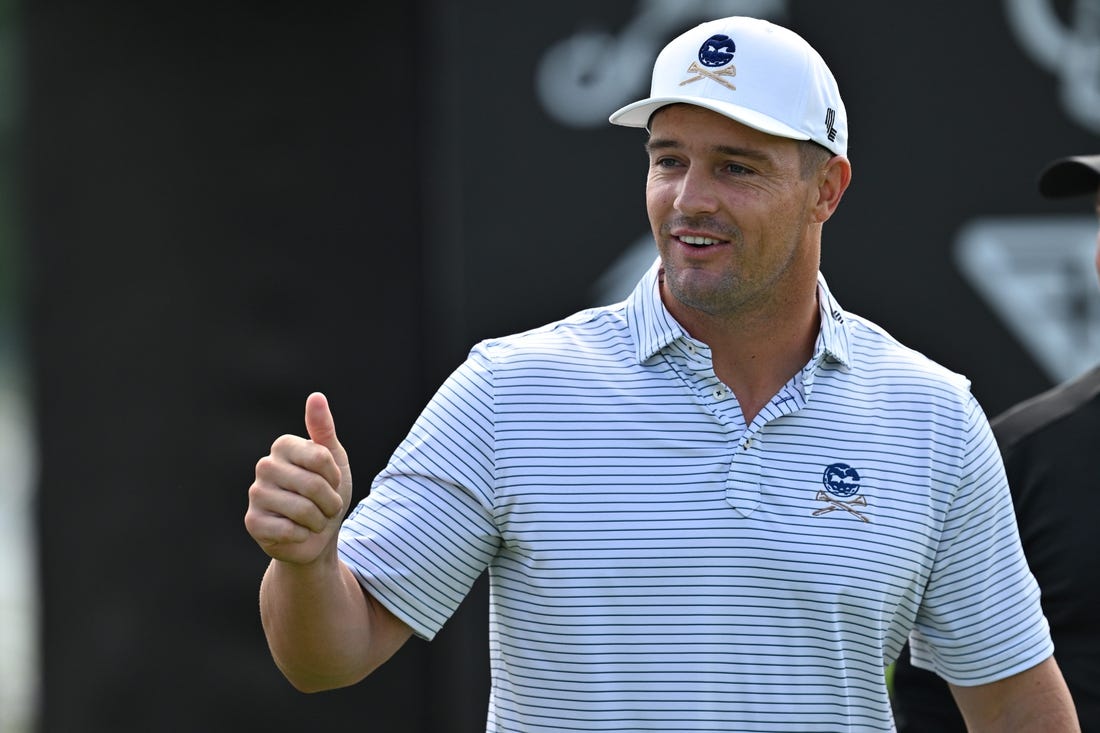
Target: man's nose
696	194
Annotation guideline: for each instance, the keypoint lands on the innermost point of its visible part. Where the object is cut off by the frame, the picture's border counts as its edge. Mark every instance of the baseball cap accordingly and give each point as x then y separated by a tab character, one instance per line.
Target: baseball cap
1075	175
750	70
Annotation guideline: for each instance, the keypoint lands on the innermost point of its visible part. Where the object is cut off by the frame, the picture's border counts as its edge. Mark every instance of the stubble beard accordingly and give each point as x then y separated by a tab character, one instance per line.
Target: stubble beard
701	289
714	294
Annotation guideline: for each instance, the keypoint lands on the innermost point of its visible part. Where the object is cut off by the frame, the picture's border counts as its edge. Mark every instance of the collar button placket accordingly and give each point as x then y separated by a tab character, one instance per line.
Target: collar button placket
743	479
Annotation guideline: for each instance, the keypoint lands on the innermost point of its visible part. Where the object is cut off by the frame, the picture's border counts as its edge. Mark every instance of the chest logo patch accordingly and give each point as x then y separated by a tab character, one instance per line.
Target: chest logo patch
841	491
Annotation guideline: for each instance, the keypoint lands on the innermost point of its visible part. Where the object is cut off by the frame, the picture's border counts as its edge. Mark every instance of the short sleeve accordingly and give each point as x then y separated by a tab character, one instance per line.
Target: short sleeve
980	619
426	530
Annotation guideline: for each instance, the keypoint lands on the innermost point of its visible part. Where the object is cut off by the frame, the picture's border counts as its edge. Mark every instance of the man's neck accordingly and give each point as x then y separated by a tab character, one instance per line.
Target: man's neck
756	353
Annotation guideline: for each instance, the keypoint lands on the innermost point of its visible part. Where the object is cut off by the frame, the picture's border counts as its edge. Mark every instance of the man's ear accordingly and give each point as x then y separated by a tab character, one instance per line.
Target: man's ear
832	182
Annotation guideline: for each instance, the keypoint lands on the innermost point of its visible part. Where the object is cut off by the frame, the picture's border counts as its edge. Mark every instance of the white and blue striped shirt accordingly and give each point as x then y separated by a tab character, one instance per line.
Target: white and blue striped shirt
657	565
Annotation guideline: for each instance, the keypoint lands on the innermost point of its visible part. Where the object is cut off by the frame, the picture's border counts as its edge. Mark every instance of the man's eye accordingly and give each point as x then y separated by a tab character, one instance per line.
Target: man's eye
737	168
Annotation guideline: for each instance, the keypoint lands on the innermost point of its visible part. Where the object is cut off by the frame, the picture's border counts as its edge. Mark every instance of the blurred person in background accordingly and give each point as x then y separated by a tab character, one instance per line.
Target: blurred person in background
1047	443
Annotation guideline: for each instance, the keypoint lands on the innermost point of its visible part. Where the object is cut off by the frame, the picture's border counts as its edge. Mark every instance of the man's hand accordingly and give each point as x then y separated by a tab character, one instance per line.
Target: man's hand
302	491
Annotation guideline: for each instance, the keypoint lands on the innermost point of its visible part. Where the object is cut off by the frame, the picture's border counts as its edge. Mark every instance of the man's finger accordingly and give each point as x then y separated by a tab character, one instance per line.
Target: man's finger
322	429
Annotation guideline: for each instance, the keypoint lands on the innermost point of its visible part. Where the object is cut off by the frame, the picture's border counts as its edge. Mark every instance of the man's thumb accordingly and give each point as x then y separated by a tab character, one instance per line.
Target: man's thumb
321	428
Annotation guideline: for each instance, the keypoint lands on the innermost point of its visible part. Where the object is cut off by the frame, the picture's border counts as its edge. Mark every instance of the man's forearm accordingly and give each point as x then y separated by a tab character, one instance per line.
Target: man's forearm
1034	700
318	624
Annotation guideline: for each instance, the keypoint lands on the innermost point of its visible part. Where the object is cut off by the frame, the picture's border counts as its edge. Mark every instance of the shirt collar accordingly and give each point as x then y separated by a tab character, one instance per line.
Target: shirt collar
834	339
653	327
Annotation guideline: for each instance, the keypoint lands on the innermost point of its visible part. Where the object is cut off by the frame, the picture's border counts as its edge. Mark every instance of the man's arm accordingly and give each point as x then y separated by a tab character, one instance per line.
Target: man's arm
323	629
1036	700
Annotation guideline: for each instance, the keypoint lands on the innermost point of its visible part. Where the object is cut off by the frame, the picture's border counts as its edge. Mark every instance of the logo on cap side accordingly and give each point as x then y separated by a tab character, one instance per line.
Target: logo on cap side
830	118
715	52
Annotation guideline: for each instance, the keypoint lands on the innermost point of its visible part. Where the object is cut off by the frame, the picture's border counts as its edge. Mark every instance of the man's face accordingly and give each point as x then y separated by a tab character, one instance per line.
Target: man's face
731	212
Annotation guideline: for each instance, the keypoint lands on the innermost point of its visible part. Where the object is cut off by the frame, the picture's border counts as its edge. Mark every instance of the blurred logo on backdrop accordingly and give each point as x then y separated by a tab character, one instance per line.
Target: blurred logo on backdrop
1038	273
582	79
1068	47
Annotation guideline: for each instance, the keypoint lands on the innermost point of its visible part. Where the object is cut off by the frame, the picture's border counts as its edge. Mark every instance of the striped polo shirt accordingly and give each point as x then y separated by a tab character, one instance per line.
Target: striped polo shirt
655	564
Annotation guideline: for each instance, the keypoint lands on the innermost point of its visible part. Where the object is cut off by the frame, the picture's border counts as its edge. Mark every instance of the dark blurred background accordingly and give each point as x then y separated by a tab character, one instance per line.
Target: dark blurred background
210	210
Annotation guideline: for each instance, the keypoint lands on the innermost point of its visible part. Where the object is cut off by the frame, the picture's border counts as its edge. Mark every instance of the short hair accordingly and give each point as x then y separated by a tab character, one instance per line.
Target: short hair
812	155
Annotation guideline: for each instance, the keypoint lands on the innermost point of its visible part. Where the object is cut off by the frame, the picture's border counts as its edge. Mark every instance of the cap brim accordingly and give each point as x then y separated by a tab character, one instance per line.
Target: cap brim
638	114
1073	176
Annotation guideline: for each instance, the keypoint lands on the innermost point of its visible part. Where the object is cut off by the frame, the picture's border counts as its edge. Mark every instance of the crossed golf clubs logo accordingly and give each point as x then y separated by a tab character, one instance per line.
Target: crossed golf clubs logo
841	480
716	75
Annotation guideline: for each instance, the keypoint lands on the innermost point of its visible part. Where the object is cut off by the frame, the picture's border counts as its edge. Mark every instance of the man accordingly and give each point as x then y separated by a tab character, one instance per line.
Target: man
1047	443
721	504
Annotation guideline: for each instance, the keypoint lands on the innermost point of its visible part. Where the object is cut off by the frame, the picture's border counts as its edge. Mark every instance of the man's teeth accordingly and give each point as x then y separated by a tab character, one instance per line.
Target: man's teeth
699	241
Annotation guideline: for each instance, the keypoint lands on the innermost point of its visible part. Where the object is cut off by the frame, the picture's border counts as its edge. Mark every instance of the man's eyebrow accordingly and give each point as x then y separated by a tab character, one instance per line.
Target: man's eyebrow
754	153
655	144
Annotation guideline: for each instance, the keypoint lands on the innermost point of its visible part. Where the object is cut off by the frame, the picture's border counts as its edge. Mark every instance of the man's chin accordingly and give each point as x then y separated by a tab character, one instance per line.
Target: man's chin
697	289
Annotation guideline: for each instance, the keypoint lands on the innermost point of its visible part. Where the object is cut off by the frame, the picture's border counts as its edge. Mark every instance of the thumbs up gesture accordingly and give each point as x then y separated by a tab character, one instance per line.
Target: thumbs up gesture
302	491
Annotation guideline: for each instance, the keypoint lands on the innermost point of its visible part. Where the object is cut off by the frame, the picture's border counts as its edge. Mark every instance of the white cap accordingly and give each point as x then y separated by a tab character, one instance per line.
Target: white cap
753	71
